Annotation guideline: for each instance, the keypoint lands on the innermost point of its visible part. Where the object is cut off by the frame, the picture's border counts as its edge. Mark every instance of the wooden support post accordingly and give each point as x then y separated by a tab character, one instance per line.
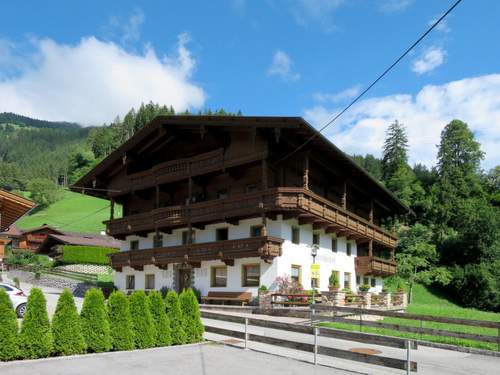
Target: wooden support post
370	248
392	254
264	174
157	200
344	196
264	188
305	177
112	209
370	215
190	198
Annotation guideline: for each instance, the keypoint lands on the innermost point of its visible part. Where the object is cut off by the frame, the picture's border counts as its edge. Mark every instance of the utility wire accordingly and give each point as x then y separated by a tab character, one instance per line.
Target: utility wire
387	70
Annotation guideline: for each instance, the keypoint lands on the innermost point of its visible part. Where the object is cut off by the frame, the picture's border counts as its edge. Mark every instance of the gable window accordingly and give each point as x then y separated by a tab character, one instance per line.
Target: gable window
130	282
296	273
256	231
158	241
348	250
149	282
134	245
221	234
218	277
315	238
221	194
296	235
251	275
334	245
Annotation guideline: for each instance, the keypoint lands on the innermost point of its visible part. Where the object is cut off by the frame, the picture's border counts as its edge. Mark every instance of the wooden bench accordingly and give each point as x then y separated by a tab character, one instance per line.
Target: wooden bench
241	297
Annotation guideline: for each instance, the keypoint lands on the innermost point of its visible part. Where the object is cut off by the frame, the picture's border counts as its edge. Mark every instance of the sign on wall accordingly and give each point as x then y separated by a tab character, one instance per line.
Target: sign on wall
315	269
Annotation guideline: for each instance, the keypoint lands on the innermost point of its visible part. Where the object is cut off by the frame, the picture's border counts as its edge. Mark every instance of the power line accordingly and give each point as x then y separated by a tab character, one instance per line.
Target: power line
387	70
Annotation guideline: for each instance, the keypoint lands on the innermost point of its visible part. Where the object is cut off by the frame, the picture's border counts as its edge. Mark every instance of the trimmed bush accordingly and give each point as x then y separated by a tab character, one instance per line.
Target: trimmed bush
66	327
9	336
160	319
94	321
193	326
142	322
36	337
175	317
73	254
120	322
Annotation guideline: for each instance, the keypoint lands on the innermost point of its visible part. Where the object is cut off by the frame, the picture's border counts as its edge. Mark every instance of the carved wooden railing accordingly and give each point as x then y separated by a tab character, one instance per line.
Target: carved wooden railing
366	265
276	200
265	247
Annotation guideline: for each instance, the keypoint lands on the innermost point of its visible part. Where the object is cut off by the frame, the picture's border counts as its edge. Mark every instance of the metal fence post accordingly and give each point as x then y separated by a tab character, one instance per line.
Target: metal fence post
499	339
408	362
315	345
313	313
246	333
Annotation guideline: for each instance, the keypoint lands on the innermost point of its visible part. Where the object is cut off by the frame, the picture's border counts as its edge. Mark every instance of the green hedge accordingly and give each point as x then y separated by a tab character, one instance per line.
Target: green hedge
86	254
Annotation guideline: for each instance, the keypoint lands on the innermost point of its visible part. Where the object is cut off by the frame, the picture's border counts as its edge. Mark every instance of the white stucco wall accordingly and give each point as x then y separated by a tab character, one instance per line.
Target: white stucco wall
293	254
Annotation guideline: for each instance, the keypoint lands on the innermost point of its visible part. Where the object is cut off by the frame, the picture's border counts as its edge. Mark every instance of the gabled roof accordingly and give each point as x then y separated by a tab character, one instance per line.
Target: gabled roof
12	231
288	126
44	227
12	208
84	240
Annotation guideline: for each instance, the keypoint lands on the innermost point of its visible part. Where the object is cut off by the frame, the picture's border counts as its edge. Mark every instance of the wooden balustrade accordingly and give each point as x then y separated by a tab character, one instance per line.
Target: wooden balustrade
265	247
366	265
298	201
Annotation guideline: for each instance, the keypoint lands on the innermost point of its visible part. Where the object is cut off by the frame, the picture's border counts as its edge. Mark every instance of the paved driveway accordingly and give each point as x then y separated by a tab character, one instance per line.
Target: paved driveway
204	359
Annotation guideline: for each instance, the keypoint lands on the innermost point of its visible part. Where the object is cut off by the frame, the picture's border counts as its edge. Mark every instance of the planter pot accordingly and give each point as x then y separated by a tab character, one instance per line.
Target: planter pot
333	288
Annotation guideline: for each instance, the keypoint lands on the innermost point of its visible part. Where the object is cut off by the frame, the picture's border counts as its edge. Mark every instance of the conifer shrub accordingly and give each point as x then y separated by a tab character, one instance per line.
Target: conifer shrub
9	335
36	337
193	326
120	322
160	319
66	327
94	321
142	322
175	317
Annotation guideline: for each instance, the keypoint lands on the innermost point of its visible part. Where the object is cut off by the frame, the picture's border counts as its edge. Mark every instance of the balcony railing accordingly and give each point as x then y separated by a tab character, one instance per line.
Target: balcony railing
366	265
265	247
276	200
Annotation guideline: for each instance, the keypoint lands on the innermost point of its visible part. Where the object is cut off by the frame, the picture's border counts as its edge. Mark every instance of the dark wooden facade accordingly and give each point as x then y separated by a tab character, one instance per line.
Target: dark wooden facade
189	171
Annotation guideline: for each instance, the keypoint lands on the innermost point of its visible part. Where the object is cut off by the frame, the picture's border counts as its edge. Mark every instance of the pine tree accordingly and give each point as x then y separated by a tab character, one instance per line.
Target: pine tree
9	335
395	153
142	322
36	337
95	324
175	317
191	316
160	319
120	322
66	327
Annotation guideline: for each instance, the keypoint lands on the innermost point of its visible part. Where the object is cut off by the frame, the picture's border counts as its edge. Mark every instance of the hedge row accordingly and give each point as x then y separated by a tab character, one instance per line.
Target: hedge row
126	323
73	254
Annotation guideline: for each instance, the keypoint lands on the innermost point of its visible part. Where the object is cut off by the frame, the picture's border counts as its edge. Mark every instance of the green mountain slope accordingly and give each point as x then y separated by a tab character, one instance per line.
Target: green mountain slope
74	212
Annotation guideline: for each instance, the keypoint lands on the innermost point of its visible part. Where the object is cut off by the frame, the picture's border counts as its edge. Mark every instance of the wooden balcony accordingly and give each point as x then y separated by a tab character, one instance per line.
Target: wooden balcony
374	266
293	202
175	170
265	247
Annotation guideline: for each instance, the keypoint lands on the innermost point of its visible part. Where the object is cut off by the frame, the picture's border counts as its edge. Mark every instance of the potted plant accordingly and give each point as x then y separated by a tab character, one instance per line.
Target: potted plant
263	289
333	282
364	288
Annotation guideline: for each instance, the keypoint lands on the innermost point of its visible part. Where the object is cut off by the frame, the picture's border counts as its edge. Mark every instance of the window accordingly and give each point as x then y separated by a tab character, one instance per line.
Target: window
372	282
315	283
255	230
221	194
149	281
358	280
221	234
130	282
348	249
347	280
251	275
366	281
134	245
251	188
296	273
158	241
296	235
185	237
315	238
334	245
219	276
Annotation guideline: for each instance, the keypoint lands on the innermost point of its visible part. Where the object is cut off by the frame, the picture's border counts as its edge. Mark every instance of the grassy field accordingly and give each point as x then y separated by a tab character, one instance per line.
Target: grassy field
427	302
74	212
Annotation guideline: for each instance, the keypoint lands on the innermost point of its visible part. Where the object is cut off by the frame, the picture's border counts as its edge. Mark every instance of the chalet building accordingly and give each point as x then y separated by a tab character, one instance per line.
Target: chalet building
230	204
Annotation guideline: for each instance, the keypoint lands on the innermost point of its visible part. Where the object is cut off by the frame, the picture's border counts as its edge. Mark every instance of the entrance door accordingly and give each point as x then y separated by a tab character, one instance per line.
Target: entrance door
184	279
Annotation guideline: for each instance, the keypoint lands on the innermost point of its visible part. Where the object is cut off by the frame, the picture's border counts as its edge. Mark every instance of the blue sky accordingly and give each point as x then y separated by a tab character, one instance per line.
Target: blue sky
90	61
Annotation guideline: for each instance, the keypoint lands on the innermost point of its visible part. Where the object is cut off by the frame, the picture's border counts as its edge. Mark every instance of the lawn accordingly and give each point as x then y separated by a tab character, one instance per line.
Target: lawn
429	302
74	212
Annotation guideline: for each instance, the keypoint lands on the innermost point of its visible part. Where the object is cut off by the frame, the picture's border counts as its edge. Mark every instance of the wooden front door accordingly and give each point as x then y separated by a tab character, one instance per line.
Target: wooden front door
184	279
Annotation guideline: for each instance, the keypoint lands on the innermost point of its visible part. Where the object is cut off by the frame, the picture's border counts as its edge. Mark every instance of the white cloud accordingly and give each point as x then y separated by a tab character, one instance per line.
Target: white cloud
126	31
390	6
346	94
93	81
473	100
429	60
282	67
319	12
